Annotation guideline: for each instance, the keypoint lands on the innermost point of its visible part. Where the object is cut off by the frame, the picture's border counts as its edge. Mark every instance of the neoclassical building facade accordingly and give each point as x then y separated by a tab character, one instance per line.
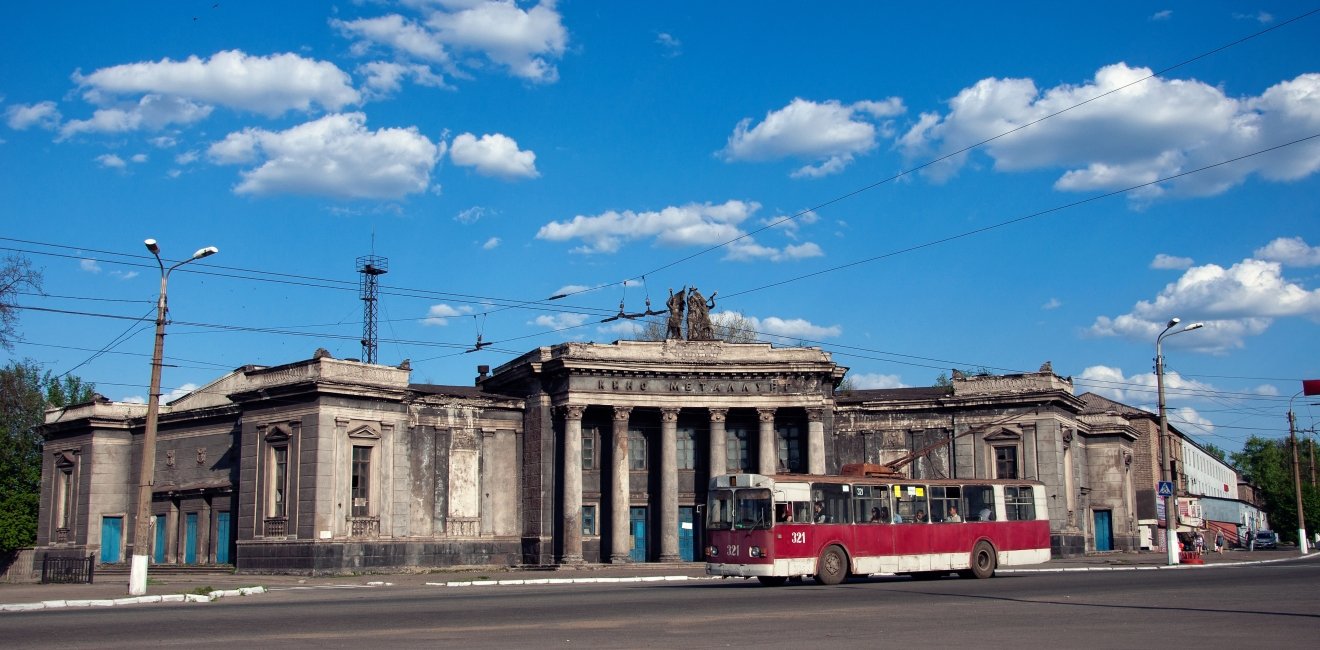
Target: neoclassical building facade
571	453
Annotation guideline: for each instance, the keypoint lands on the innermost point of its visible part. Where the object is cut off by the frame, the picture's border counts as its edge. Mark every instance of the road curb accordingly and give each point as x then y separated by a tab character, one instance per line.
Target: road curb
133	600
566	581
1162	567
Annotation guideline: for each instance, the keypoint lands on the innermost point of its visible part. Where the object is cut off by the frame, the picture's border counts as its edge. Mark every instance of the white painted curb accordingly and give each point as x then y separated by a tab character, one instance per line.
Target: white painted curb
135	600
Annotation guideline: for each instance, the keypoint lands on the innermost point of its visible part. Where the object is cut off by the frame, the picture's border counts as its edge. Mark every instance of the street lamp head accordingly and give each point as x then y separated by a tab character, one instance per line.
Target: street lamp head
205	252
1193	326
1173	321
151	246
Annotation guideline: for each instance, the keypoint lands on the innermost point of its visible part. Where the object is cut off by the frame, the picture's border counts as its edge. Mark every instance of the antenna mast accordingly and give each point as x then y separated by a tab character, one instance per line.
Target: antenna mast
371	267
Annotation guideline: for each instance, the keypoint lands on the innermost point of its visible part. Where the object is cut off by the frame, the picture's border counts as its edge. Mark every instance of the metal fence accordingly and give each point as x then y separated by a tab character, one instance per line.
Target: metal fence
67	569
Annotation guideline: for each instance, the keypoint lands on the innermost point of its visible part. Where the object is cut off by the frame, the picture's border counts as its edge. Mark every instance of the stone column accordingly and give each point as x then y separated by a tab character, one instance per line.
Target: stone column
572	468
620	548
816	440
767	446
669	485
719	461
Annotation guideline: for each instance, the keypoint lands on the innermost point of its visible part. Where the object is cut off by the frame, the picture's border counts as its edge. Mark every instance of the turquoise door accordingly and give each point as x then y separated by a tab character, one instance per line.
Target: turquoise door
190	539
158	554
112	534
1104	532
637	525
685	534
222	538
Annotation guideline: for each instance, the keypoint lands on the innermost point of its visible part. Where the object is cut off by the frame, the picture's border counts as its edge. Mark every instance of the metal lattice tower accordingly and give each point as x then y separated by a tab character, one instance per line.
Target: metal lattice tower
371	267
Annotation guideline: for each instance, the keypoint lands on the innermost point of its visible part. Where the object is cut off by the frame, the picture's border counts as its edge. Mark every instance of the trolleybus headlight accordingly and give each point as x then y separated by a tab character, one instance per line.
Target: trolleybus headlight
712	551
754	551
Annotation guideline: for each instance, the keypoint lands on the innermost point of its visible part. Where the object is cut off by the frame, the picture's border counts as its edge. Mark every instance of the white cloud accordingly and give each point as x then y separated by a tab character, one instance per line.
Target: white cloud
1170	262
1152	129
784	328
139	158
24	116
332	156
525	42
1163	14
384	78
622	328
571	290
1290	251
270	85
829	133
89	265
1240	301
493	155
560	321
111	161
439	315
1052	303
151	112
124	275
870	380
471	215
672	46
178	393
491	244
163	142
691	224
746	250
1139	390
187	157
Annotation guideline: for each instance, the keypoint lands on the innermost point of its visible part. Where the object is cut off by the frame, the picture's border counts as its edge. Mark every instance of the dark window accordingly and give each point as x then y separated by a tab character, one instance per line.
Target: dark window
361	481
588	450
687	448
790	448
736	448
980	503
66	497
588	520
1006	465
946	504
871	504
279	479
636	450
910	506
831	503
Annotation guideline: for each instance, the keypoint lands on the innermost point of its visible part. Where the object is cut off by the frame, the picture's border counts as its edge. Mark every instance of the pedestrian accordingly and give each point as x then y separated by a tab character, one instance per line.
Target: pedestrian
1219	542
1199	541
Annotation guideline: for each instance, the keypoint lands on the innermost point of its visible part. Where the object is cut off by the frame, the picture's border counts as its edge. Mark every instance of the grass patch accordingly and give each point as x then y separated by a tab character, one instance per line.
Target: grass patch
202	591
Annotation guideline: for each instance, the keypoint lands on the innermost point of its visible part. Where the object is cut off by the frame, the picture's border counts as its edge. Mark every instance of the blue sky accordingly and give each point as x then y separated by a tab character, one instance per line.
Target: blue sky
832	171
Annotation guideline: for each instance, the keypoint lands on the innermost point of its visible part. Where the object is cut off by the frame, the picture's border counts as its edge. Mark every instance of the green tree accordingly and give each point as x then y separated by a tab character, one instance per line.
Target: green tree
945	381
25	394
1217	452
16	274
1267	464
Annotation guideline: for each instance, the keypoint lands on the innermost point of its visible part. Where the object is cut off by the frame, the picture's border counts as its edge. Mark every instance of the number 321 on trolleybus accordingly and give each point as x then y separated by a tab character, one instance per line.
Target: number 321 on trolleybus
830	527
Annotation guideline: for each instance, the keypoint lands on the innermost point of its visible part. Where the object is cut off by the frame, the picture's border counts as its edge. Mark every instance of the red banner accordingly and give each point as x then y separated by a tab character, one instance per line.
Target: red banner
1311	386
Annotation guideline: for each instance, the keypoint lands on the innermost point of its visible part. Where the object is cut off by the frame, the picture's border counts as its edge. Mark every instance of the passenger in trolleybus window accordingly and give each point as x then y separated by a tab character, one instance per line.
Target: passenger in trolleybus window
953	515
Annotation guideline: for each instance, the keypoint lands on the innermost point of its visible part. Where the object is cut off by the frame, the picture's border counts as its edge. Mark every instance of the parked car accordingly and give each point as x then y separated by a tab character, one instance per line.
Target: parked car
1267	539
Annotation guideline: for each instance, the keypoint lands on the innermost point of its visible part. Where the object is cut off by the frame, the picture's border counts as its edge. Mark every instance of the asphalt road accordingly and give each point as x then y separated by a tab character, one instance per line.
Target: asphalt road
1258	606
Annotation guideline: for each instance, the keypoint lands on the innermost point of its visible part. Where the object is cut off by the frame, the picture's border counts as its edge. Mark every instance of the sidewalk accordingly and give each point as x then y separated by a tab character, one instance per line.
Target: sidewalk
109	589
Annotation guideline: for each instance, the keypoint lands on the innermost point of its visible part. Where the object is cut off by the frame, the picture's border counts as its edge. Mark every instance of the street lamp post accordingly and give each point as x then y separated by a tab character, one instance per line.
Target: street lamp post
1166	448
137	579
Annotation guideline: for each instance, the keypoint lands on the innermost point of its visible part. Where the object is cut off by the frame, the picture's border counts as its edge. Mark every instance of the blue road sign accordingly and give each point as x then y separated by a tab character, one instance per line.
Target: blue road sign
1166	488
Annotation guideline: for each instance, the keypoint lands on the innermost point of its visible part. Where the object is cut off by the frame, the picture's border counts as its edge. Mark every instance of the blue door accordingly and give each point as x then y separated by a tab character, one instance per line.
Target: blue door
1104	533
190	540
685	534
158	554
222	538
112	534
637	525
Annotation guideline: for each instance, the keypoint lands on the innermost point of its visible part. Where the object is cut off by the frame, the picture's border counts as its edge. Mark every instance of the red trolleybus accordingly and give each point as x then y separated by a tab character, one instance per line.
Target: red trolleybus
830	527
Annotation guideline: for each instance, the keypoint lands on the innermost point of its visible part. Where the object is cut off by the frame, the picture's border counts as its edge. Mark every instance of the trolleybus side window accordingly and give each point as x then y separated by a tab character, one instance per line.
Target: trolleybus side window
831	503
910	504
946	504
720	516
871	504
1019	504
980	503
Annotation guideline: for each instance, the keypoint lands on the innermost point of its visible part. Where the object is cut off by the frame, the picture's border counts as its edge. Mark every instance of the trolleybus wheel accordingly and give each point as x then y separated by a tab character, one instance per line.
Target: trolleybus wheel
984	561
832	567
772	581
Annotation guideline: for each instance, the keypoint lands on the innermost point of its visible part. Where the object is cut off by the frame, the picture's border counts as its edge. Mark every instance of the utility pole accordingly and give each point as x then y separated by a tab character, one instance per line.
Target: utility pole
371	267
1297	480
1166	447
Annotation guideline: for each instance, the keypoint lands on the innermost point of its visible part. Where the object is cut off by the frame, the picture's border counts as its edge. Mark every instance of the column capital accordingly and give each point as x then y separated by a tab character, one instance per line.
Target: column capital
573	411
622	413
815	414
766	414
669	414
718	415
